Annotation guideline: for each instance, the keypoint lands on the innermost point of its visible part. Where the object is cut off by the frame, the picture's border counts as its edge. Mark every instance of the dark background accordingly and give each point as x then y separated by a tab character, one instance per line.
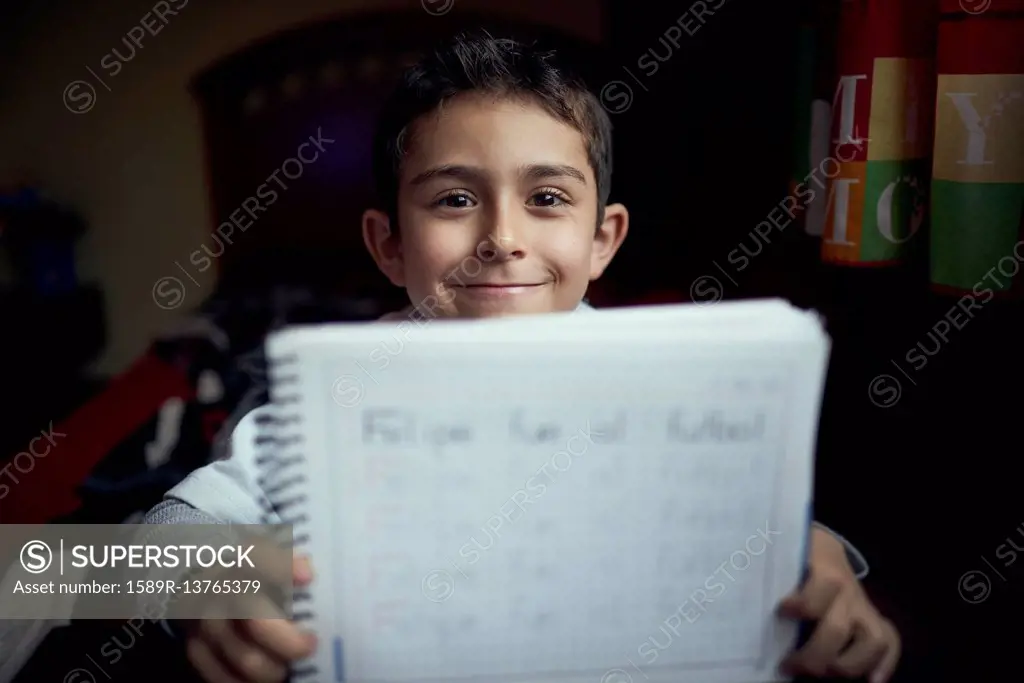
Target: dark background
927	488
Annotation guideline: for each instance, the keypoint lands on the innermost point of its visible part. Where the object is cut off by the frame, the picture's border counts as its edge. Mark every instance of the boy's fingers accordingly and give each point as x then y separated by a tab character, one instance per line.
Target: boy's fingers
813	601
273	632
281	638
244	659
209	666
887	666
791	606
278	636
862	656
830	636
302	570
273	564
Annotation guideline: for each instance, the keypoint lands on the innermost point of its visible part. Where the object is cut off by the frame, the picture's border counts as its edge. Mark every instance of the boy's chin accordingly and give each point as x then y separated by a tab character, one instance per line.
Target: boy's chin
475	312
500	314
468	303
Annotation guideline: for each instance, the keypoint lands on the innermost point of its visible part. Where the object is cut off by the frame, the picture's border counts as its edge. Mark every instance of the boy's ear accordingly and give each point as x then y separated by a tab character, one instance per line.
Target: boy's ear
384	246
608	238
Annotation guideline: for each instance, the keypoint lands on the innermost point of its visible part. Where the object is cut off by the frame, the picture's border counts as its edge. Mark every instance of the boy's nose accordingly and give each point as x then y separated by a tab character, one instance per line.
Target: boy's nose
501	245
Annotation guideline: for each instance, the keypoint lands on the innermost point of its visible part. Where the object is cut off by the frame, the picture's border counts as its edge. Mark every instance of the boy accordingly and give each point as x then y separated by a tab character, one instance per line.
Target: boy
491	153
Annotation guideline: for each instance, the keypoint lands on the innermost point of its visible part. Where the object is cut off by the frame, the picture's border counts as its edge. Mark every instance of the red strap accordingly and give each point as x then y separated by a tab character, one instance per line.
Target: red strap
46	486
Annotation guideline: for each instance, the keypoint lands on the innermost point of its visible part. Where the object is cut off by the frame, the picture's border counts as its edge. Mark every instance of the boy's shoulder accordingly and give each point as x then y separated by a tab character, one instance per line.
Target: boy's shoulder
228	489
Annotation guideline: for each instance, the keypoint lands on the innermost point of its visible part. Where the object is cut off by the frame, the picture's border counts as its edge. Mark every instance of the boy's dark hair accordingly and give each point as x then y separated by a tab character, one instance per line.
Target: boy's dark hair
479	62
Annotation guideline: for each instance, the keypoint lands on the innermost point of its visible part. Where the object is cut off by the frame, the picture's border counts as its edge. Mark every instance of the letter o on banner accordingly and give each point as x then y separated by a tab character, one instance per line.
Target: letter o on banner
881	131
977	193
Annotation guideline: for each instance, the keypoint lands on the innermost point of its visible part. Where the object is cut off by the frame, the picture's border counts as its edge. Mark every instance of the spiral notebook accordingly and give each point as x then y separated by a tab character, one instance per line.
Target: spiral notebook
618	497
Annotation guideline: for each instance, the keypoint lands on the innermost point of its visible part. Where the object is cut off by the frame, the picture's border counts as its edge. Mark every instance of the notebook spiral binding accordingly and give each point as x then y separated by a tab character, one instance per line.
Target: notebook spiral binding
280	457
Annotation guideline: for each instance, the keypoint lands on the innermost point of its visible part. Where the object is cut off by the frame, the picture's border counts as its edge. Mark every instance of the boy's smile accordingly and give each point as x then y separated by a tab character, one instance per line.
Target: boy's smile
497	212
496	298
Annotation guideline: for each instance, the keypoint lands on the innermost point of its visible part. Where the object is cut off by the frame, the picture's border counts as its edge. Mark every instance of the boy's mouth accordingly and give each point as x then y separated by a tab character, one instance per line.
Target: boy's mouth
501	289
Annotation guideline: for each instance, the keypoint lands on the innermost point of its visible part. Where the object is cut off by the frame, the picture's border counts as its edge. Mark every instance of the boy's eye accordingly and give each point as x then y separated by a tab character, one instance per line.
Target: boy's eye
548	199
456	200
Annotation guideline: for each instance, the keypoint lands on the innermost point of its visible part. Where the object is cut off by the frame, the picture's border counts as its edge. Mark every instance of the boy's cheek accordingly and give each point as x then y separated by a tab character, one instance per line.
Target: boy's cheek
444	296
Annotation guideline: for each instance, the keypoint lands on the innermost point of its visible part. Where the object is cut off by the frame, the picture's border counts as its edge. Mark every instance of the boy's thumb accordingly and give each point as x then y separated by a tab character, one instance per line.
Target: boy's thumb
302	569
791	607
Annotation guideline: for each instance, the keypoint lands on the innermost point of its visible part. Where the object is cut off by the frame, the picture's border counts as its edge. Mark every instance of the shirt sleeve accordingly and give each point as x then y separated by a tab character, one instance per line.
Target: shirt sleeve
225	491
853	556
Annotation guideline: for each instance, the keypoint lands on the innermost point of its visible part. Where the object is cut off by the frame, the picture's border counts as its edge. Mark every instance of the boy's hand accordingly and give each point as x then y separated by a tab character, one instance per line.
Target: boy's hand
850	638
250	650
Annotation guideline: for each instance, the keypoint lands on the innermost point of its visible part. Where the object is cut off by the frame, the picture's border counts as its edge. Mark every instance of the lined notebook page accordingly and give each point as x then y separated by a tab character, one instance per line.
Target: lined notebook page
617	497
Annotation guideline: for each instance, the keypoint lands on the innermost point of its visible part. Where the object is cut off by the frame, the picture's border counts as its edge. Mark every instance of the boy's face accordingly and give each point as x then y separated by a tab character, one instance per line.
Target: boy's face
497	205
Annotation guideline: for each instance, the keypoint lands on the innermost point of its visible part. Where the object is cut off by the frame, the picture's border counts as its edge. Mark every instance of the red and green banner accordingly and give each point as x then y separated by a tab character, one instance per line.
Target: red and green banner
881	138
977	192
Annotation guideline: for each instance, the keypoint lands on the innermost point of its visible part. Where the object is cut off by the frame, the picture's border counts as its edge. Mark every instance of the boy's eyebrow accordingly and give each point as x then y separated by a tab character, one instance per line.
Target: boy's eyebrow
455	171
531	172
542	171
